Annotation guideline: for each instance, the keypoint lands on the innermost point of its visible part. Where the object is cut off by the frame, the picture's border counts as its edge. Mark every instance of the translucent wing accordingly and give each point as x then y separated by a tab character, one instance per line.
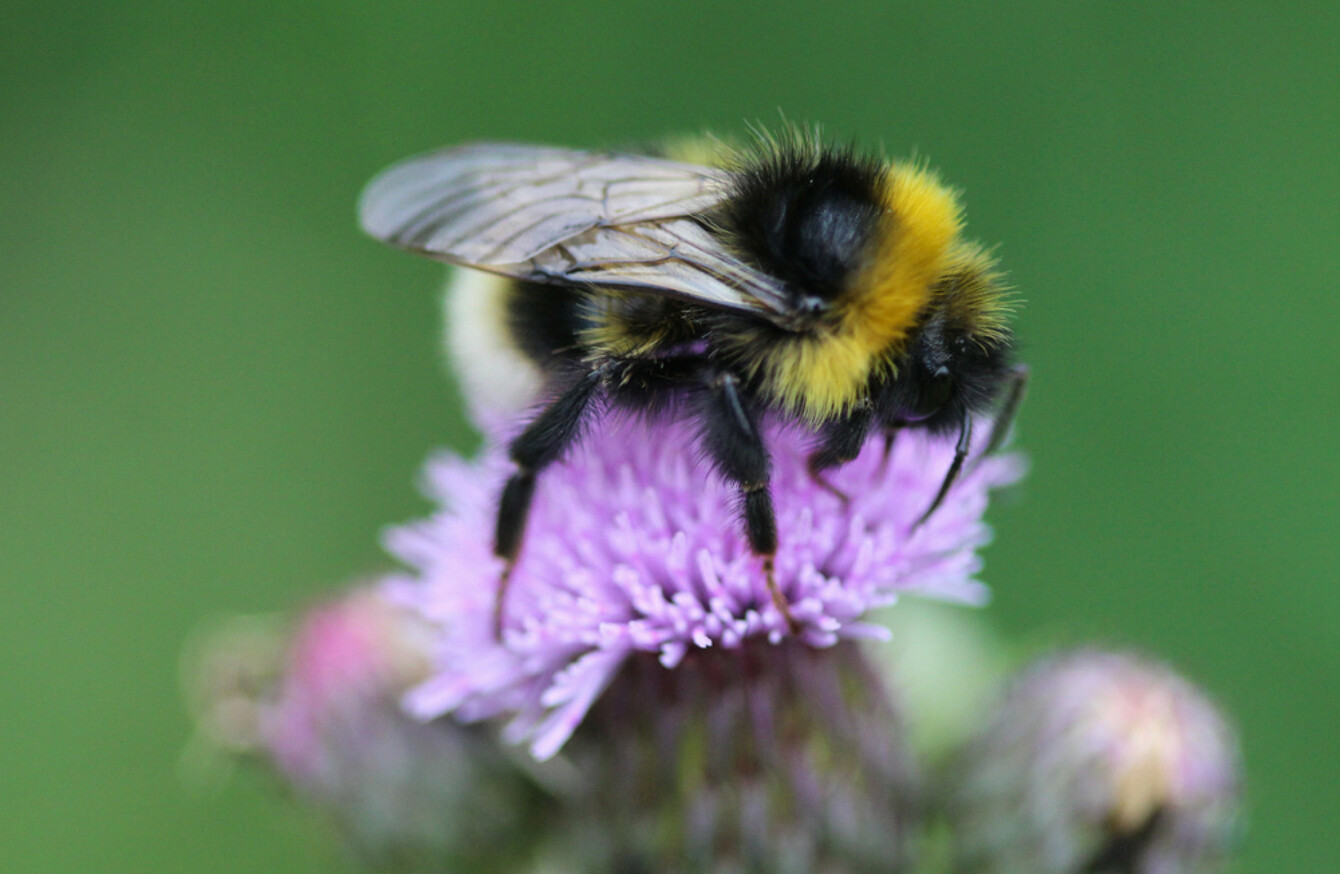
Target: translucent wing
569	217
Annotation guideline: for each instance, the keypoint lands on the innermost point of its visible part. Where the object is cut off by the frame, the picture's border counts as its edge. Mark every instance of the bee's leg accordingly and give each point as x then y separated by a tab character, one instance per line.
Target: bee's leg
960	453
890	435
840	442
651	385
733	441
1016	387
534	449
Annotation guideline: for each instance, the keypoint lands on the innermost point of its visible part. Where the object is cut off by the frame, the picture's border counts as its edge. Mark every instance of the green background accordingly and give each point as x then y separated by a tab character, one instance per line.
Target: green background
216	392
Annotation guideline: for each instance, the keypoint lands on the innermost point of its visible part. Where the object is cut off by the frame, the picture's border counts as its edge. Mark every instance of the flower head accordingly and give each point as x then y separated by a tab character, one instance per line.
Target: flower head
769	757
634	545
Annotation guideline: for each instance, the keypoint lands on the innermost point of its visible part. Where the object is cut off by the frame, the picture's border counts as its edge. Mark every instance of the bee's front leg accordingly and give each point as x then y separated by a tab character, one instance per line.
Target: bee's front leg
961	450
839	442
1016	387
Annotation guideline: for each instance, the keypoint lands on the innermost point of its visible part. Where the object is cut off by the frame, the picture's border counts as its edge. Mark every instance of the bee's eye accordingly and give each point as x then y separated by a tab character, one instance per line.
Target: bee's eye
934	394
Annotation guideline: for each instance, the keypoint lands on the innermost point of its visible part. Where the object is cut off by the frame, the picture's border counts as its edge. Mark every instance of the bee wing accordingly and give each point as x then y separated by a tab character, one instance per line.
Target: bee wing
568	217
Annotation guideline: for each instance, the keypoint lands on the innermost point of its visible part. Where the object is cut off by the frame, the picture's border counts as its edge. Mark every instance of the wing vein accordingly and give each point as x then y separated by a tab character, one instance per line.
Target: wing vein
571	217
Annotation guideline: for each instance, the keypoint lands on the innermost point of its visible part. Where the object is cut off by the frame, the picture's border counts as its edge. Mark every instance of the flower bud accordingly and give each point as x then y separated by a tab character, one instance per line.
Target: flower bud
1098	762
322	710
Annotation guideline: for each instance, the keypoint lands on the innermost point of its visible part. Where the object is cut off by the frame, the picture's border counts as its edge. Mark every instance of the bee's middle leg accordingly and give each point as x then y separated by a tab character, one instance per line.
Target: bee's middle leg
732	439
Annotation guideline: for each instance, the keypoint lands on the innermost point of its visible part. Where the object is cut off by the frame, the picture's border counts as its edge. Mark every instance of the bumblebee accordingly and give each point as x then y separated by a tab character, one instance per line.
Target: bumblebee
791	280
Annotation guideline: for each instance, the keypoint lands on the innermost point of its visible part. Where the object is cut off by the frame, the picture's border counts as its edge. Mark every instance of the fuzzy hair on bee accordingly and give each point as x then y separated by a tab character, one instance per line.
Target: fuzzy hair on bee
788	281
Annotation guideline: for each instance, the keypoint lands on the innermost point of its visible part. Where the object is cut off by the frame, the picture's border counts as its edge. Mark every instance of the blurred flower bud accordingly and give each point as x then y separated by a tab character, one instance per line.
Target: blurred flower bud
777	758
322	709
1098	763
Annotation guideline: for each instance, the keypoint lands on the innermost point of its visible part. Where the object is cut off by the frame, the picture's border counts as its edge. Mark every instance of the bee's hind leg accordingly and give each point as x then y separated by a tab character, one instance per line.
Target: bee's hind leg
637	383
543	442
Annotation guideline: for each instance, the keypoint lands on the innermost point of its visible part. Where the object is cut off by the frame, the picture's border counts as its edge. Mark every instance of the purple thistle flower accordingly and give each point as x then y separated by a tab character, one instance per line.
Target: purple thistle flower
634	546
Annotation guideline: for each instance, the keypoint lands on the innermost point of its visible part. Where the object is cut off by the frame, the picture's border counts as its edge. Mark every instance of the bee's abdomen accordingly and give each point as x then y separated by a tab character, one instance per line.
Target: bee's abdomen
499	378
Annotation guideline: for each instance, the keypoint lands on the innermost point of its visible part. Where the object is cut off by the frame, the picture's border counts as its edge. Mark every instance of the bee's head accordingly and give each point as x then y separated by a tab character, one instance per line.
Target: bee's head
960	356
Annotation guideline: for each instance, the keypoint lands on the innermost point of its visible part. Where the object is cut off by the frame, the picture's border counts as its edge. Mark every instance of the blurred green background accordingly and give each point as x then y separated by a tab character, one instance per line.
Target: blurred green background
216	392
